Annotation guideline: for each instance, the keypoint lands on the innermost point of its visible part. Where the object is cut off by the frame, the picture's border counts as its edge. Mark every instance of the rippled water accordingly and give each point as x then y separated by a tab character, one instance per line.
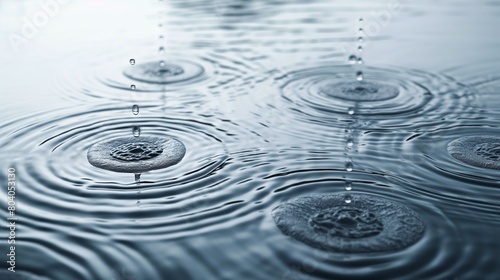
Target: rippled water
267	105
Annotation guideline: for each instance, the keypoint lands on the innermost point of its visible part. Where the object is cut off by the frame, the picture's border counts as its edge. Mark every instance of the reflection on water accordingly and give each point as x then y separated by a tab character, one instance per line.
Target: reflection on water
304	155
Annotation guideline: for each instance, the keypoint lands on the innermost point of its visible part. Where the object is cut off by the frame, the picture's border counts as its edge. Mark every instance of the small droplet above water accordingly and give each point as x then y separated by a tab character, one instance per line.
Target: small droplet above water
350	142
162	63
132	86
132	61
161	37
138	203
348	186
360	60
161	50
136	131
360	39
135	109
348	166
360	48
348	199
361	20
352	59
359	76
350	111
360	30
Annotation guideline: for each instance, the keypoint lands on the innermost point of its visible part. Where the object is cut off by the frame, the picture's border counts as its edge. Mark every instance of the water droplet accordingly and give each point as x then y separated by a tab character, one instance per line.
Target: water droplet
361	20
350	111
352	59
360	48
348	185
138	203
360	30
350	142
360	39
348	198
132	61
162	63
359	76
137	177
360	60
135	109
136	131
161	50
161	37
132	87
348	166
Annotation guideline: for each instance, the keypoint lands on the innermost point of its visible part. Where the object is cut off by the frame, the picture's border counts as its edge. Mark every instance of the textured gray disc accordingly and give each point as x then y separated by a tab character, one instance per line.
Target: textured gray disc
136	154
366	225
171	72
479	151
360	91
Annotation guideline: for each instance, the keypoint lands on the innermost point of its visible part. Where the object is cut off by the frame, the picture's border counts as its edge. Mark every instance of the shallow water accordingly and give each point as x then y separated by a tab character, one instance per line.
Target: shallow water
261	123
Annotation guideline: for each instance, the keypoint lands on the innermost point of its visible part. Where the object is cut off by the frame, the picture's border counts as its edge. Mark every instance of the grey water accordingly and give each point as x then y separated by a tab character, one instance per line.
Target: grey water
274	101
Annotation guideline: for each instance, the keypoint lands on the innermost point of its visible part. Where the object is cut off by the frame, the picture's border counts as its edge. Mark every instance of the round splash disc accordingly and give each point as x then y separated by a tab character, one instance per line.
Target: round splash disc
173	71
136	154
479	151
360	91
366	225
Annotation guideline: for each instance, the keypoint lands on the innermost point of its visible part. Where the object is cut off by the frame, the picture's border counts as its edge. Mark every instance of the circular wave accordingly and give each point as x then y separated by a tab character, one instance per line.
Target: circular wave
195	77
386	97
439	252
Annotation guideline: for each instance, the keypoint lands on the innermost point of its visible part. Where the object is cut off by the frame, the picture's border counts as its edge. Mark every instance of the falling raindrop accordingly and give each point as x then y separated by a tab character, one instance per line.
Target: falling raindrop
350	142
350	111
360	48
136	131
360	39
359	76
135	109
348	199
162	63
161	50
348	166
352	59
132	61
361	20
348	186
132	87
360	60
